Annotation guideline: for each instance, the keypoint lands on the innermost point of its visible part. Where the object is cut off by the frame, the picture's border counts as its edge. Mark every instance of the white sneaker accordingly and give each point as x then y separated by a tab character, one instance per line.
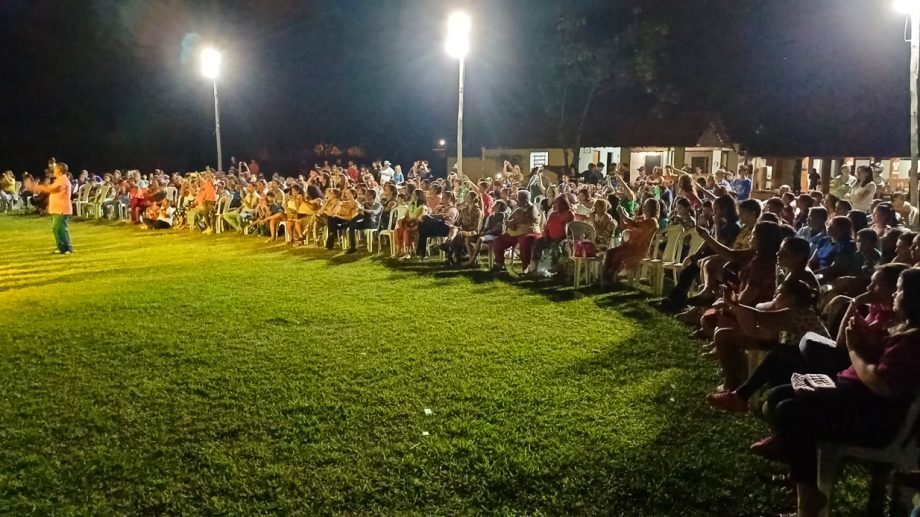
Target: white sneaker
208	232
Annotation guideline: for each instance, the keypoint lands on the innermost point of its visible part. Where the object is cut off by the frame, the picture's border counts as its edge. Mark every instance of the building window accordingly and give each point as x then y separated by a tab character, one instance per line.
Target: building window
539	160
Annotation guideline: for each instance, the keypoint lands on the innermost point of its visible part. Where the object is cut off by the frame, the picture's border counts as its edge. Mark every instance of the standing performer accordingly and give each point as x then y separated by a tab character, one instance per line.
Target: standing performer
59	207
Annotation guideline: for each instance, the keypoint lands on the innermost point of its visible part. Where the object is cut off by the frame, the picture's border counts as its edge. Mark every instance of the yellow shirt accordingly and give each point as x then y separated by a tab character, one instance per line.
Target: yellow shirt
743	240
347	210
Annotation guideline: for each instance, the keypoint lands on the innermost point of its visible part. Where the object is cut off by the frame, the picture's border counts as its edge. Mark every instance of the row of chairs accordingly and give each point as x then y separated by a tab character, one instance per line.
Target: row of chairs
16	201
666	255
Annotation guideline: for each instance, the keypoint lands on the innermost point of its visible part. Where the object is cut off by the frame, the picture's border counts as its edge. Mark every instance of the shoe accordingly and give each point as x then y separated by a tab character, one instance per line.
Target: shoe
770	449
689	317
727	401
498	269
704	299
668	305
208	232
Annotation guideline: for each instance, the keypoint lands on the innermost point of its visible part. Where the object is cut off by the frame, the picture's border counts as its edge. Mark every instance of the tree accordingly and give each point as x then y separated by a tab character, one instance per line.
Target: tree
588	62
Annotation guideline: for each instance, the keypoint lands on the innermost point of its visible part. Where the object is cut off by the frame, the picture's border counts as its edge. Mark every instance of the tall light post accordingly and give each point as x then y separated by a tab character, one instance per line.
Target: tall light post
210	68
458	46
912	8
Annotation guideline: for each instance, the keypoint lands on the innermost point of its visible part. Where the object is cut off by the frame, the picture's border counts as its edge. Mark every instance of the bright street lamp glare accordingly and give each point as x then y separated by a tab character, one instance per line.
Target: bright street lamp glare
906	6
459	23
442	142
210	63
458	35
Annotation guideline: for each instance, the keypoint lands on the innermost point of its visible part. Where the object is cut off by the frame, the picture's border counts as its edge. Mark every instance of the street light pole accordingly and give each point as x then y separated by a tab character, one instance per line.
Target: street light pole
458	45
460	121
914	130
220	164
210	68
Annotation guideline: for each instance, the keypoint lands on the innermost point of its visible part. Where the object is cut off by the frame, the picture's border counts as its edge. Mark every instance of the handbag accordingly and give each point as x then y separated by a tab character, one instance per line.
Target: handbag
585	249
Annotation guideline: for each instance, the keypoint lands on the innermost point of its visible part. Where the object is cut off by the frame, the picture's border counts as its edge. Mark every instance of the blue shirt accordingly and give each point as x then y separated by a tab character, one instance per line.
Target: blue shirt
828	251
743	188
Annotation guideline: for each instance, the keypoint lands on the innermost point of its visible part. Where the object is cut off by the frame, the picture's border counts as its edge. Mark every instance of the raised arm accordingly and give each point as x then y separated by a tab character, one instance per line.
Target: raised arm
719	248
857	342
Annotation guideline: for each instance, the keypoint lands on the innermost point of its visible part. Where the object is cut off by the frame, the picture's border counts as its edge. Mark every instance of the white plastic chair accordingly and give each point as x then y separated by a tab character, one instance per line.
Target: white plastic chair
676	265
389	233
901	453
646	268
673	239
82	199
223	203
287	231
585	267
370	234
95	205
16	200
172	194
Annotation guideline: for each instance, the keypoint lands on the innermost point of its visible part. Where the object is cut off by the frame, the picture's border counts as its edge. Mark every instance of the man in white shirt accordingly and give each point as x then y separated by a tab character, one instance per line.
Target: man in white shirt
386	173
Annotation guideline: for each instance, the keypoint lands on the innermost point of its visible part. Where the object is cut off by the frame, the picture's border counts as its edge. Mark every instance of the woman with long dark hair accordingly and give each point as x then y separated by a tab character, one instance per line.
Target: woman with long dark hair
863	192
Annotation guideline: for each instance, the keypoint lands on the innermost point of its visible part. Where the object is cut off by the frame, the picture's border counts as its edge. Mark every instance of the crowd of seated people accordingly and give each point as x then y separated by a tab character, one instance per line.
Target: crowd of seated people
811	283
800	286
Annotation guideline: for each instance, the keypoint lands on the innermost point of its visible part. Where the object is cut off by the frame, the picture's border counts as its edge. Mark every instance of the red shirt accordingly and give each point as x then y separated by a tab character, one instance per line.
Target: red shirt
898	364
555	225
353	174
487	203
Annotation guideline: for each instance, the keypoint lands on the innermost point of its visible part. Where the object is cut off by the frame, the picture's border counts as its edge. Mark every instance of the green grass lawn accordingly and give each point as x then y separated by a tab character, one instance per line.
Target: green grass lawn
170	373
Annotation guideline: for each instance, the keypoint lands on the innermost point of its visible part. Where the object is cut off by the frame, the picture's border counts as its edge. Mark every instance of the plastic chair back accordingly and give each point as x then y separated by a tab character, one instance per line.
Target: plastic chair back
172	194
579	231
674	239
696	242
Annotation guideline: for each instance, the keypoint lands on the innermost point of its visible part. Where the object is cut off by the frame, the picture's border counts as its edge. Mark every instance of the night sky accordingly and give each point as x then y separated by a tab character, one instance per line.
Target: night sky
105	84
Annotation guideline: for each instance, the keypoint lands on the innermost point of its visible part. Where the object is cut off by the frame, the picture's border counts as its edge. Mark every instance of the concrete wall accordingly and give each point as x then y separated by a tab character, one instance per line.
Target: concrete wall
490	161
606	155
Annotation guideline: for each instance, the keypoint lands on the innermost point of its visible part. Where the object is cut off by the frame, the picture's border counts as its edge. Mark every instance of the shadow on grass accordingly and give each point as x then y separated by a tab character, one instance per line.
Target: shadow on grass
625	300
77	276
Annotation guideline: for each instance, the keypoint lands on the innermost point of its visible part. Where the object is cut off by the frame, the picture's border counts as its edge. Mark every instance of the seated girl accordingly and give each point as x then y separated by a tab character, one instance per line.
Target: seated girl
835	255
641	230
345	211
866	406
604	225
884	218
493	228
461	236
756	278
553	232
269	215
683	213
408	225
305	219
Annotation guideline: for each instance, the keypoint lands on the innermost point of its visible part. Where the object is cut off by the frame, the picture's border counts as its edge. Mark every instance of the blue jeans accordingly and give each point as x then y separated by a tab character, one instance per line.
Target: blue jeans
61	233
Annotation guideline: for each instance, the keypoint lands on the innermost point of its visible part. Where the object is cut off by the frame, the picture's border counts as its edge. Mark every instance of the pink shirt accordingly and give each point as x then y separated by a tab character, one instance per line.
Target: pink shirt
898	364
59	201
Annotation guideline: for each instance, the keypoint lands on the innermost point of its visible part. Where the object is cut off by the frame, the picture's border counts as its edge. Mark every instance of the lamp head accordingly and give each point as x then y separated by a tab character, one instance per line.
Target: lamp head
458	35
210	62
